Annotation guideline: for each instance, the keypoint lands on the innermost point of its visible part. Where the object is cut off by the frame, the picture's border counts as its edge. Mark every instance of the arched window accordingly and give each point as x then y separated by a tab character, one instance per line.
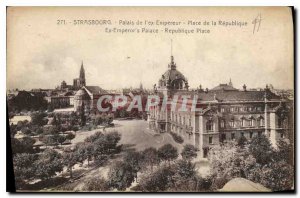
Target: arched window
209	125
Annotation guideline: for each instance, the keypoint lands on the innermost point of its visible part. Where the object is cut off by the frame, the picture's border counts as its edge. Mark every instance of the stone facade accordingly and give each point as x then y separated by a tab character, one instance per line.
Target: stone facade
224	113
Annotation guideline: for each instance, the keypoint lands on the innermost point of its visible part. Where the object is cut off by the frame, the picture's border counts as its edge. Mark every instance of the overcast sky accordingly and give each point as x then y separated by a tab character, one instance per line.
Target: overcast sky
41	53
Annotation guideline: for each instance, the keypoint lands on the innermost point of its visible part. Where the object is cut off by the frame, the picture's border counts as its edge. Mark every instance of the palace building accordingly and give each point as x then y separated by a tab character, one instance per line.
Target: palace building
225	113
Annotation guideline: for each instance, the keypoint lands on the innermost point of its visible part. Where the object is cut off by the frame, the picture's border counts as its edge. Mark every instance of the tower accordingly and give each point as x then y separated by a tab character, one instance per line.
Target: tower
82	76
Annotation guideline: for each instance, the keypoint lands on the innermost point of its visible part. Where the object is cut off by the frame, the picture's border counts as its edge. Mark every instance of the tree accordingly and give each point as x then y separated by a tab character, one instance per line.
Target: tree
96	184
46	139
23	169
89	148
134	160
70	136
61	139
167	153
26	131
80	152
242	141
184	177
121	176
69	160
260	148
38	119
278	176
48	164
284	151
53	130
189	152
157	181
228	161
27	144
150	157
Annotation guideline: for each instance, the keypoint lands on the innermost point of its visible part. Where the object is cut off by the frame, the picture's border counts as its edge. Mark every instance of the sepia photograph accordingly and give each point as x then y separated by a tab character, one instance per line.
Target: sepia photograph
150	99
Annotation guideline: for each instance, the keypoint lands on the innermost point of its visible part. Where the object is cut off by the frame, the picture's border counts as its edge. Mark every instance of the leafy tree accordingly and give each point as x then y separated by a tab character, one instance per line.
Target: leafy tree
75	128
47	140
96	184
80	152
70	136
157	181
150	157
184	177
278	176
61	139
53	130
284	151
39	131
134	159
121	176
69	160
48	164
260	148
242	141
38	119
23	169
24	145
89	149
26	131
20	125
167	153
229	161
189	152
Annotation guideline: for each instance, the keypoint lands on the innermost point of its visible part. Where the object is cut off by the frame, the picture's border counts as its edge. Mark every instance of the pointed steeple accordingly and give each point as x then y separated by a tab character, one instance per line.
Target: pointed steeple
82	72
82	75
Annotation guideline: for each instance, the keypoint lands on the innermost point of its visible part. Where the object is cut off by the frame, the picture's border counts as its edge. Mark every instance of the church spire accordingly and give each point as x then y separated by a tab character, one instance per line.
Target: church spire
82	75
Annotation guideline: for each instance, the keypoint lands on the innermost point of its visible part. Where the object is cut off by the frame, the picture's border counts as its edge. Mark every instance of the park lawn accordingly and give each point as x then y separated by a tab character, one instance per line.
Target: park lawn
135	134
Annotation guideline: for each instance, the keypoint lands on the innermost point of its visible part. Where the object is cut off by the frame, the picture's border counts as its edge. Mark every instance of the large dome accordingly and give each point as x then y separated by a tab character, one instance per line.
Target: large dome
173	74
172	78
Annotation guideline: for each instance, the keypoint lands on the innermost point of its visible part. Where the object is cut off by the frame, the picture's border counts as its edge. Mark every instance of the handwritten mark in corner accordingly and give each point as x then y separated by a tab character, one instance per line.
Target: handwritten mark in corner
256	23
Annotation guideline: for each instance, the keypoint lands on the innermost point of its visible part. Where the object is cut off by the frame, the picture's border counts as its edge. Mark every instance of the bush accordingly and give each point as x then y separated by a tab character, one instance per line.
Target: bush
189	152
177	138
96	184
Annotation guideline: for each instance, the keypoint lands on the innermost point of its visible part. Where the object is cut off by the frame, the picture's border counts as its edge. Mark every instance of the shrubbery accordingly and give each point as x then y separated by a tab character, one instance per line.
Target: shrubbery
177	138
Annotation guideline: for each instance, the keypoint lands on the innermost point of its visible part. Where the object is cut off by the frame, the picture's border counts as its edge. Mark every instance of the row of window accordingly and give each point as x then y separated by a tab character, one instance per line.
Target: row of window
232	123
240	109
232	136
181	119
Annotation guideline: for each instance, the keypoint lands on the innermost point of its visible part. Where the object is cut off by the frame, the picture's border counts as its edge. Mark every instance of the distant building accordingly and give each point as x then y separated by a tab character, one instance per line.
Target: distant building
87	97
226	113
80	82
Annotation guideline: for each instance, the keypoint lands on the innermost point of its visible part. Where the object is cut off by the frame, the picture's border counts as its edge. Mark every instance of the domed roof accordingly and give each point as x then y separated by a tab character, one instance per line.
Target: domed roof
173	78
173	74
82	94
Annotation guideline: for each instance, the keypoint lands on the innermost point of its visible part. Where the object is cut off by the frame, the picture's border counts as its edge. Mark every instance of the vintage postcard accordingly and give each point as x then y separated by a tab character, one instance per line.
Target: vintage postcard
151	99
